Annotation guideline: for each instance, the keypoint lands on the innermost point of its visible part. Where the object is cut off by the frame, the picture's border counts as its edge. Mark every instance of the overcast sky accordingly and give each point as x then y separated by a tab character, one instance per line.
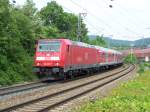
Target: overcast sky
126	20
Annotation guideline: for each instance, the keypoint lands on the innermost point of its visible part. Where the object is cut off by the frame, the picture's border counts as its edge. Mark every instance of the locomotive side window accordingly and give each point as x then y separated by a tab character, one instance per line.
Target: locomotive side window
52	46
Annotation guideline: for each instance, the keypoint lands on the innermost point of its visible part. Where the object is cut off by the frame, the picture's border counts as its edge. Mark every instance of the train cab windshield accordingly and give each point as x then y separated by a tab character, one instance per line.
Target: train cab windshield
49	46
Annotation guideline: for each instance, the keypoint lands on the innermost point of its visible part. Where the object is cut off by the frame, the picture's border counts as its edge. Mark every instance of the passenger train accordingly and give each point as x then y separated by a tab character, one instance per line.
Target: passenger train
63	58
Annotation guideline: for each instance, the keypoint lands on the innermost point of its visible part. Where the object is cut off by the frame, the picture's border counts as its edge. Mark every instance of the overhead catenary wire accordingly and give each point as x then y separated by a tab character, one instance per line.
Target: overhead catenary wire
96	28
122	25
97	18
100	20
89	23
124	10
125	15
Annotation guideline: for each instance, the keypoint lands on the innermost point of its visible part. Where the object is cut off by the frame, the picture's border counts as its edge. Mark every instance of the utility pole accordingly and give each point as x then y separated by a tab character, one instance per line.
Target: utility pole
79	25
79	31
131	52
143	50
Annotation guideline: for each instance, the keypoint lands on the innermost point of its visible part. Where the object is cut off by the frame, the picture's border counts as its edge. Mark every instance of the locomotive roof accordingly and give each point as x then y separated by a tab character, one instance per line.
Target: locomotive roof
84	45
65	40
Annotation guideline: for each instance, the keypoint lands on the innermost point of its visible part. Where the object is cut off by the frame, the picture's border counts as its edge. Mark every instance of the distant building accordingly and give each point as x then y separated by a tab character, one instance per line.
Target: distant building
141	54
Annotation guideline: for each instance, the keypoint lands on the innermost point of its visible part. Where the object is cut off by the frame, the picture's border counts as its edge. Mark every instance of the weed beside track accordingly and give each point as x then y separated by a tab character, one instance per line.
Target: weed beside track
133	96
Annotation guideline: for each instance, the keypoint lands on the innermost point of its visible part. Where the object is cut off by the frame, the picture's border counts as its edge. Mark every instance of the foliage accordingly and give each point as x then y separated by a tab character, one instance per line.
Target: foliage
125	44
143	66
98	41
129	97
147	64
58	23
21	26
17	36
131	58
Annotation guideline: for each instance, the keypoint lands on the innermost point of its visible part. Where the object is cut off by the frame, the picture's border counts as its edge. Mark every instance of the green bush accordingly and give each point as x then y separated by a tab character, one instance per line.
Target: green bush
17	35
147	64
21	26
141	68
131	58
129	97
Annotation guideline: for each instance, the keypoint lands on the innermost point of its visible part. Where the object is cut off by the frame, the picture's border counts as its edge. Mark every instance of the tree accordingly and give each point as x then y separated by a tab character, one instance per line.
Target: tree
15	60
29	9
29	25
21	26
98	41
51	13
63	24
131	58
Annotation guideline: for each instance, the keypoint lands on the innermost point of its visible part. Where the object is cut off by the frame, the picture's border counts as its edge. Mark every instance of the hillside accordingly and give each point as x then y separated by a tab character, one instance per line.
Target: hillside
124	43
142	42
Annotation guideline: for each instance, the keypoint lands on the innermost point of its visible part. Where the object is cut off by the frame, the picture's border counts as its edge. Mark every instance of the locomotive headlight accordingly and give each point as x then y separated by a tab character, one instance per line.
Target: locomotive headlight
55	58
40	58
57	64
38	64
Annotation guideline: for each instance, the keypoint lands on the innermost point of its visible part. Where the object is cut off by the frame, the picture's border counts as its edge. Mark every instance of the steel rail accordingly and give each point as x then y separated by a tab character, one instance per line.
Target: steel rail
57	93
82	93
33	85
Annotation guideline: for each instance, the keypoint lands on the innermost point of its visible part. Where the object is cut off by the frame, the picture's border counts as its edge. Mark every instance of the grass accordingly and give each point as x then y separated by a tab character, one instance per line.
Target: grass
133	96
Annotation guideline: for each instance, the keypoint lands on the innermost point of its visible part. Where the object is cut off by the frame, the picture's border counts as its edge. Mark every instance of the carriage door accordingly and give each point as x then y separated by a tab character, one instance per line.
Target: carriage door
69	56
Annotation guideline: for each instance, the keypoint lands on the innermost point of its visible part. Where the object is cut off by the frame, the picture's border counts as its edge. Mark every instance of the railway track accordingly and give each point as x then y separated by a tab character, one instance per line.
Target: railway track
19	88
55	99
33	85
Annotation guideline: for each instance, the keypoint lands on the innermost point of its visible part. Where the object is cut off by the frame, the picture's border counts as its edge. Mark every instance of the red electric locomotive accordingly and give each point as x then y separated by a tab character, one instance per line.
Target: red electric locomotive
60	58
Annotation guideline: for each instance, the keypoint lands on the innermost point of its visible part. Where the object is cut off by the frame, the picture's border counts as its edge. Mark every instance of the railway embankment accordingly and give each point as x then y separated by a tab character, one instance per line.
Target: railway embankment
133	96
